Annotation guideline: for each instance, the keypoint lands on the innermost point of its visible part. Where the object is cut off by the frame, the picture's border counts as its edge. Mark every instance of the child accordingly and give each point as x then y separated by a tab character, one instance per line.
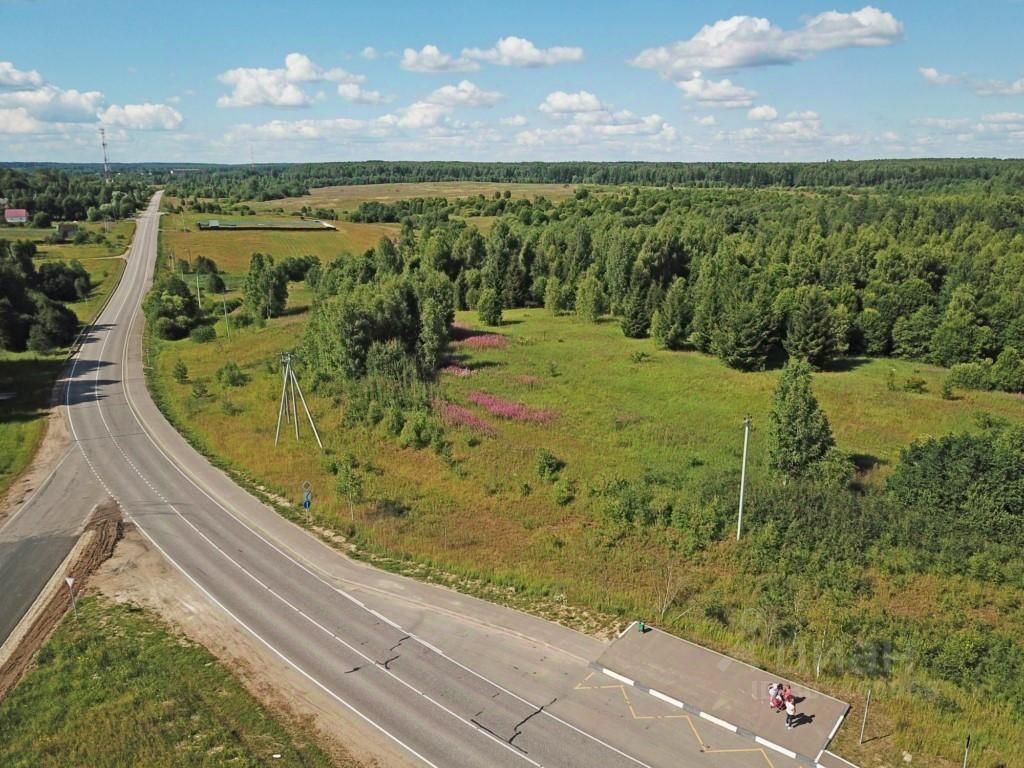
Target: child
790	713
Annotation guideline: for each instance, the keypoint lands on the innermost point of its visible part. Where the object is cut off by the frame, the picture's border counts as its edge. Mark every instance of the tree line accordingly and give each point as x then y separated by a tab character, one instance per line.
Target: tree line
53	194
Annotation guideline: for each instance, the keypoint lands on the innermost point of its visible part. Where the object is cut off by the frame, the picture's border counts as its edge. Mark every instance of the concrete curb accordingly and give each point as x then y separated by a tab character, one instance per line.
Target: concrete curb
689	709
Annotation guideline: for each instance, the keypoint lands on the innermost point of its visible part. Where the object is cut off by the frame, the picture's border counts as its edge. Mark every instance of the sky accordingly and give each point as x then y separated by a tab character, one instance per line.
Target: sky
238	82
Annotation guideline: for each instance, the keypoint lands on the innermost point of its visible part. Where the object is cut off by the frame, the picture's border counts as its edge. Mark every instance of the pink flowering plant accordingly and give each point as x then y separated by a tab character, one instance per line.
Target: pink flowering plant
507	409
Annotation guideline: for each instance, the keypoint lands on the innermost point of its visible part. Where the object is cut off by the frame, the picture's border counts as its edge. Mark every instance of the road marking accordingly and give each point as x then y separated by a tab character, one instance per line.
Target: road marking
718	721
617	676
772	745
133	408
252	576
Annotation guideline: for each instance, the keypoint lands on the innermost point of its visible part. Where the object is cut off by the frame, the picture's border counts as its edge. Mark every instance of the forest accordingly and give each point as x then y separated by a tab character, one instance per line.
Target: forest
56	194
269	182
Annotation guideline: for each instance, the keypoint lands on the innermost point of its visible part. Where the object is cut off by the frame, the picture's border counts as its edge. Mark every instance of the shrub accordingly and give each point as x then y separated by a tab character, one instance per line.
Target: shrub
489	307
230	375
547	465
947	389
180	372
200	390
202	334
916	385
416	432
972	375
565	491
230	408
394	421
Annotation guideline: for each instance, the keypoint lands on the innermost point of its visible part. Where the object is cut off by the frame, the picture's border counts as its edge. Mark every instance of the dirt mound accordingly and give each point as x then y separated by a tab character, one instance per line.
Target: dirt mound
101	534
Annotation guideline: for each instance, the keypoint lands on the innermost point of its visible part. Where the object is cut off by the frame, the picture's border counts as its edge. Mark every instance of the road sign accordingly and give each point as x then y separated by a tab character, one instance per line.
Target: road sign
70	581
307	495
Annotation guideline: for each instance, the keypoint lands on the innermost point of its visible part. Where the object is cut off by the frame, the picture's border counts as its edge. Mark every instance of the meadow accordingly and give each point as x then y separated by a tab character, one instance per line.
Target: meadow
609	408
181	238
29	376
116	687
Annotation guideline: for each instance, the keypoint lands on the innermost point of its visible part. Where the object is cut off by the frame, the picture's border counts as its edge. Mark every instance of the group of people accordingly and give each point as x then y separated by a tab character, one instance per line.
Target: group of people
780	697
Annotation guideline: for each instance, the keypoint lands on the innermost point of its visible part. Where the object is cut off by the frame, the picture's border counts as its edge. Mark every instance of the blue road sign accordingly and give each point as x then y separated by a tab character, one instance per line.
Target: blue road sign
307	500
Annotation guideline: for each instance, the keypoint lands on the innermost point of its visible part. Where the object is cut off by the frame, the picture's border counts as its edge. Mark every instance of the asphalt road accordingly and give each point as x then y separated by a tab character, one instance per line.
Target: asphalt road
450	680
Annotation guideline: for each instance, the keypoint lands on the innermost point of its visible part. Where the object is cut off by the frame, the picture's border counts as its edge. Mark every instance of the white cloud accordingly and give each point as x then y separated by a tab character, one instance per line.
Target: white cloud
747	41
464	94
419	114
1004	117
514	51
562	103
252	86
705	120
763	113
55	105
12	77
358	95
431	59
369	52
142	117
933	76
516	121
18	120
716	93
943	123
292	130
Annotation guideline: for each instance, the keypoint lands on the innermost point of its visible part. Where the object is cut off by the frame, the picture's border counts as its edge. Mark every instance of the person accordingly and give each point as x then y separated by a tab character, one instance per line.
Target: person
787	692
790	712
773	691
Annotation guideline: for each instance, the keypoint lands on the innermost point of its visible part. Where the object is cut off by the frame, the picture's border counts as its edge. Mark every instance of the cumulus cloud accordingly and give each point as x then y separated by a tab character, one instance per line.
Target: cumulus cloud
358	95
980	87
142	117
705	120
18	120
516	121
431	59
464	94
763	113
292	130
514	51
253	86
369	52
748	41
54	105
12	77
562	103
716	93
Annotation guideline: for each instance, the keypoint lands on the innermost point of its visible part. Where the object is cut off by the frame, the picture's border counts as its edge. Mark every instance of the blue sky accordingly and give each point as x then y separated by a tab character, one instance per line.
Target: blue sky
230	81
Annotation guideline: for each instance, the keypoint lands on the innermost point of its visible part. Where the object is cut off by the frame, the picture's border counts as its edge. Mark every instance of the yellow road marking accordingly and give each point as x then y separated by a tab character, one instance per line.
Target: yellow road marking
693	726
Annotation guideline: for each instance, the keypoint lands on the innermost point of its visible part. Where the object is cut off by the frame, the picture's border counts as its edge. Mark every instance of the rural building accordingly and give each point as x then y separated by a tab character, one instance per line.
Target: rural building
65	230
15	215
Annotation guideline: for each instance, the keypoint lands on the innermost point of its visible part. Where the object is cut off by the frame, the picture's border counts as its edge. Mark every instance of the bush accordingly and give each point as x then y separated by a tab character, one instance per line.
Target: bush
202	334
915	385
972	375
200	390
547	465
180	372
416	432
230	408
489	307
231	375
565	491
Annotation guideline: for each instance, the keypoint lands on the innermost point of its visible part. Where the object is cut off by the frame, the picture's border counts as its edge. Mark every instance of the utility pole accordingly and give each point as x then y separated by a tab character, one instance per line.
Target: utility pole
224	302
967	749
106	163
864	722
288	410
743	475
199	295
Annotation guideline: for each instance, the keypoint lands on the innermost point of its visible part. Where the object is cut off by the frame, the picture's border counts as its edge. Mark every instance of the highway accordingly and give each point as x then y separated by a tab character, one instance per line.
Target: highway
448	680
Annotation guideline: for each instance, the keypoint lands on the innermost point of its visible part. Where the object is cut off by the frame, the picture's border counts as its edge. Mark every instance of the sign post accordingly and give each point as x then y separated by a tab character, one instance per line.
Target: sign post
70	581
307	497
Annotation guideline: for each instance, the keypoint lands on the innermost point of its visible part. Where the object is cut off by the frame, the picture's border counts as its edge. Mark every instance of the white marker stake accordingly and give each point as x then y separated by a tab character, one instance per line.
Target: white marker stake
71	591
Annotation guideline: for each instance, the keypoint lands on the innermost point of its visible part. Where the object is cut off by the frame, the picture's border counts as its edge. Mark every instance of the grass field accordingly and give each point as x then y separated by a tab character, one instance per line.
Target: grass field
348	197
671	416
30	376
232	250
116	688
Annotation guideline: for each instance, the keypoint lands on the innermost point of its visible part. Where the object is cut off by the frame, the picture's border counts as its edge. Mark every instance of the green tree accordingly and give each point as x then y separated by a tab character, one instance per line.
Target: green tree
553	295
912	333
799	435
670	325
591	302
746	335
266	287
349	486
489	307
1008	371
811	331
636	319
960	337
433	336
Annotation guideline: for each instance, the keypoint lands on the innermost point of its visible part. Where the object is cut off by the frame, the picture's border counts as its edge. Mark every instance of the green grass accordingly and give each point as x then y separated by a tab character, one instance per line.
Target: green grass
30	376
232	250
674	417
117	688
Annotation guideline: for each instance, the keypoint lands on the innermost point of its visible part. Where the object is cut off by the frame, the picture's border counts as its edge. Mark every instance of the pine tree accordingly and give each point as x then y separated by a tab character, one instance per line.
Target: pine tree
799	435
670	327
811	332
636	320
745	336
433	336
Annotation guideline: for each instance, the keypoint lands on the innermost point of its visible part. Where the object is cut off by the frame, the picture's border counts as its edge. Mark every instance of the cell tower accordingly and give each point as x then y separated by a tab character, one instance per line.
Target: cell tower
106	163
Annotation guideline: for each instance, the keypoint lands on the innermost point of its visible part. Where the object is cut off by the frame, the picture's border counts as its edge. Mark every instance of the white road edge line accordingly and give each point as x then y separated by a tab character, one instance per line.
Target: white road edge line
719	722
617	676
772	745
473	727
272	545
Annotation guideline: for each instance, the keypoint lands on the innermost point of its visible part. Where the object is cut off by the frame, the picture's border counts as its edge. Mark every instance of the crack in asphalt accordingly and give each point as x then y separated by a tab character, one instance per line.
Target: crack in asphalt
518	727
398	643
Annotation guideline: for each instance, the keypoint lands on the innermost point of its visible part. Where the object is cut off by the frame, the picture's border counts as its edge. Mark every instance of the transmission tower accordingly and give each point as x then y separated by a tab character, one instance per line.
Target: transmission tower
106	163
288	410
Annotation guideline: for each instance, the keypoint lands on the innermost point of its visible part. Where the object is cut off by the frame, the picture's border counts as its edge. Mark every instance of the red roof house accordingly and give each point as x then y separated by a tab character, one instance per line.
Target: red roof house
15	215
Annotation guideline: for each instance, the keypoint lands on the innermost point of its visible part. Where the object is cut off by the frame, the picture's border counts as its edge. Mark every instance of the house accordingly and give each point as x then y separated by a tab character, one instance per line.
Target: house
15	215
65	230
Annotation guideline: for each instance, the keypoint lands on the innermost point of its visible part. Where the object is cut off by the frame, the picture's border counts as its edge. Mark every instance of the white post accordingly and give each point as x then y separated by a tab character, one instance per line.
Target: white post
282	409
71	591
199	295
308	414
967	749
864	722
295	405
743	475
